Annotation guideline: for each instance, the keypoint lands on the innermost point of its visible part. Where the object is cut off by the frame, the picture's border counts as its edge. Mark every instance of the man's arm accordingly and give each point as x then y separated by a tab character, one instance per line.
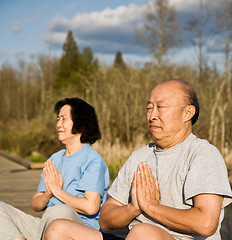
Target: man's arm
202	219
115	215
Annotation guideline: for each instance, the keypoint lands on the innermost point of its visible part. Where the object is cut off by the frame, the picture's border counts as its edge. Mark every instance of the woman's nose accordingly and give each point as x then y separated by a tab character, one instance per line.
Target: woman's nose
58	123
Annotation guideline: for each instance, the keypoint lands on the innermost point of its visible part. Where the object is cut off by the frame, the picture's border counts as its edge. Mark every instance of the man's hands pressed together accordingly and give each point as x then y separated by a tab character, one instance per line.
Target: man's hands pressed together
145	188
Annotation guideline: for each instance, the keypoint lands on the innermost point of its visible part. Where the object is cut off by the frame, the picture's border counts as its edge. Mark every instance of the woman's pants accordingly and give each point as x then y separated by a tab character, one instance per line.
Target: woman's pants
15	223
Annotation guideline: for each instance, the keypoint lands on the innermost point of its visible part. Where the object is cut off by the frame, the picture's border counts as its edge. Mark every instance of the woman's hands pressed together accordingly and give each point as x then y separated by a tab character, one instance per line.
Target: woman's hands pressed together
52	178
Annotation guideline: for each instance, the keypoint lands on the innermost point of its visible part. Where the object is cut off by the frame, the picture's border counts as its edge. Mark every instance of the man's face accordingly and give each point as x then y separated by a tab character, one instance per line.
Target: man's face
165	113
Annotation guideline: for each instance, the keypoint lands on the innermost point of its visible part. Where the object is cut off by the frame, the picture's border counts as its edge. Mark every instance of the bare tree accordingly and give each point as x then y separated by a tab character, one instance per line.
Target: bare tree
223	94
161	31
200	33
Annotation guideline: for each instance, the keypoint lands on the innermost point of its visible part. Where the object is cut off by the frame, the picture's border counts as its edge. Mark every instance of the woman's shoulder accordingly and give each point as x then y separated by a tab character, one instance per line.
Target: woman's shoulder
91	152
58	154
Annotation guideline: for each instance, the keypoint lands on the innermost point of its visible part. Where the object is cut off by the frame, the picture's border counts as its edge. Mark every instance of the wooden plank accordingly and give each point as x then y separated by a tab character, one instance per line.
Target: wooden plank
23	162
18	184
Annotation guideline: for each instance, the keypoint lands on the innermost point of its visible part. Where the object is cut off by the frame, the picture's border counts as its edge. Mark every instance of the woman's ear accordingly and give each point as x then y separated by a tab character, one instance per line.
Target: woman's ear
189	112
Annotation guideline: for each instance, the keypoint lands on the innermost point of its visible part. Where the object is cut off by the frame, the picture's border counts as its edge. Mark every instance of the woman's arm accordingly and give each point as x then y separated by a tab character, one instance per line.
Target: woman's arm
40	201
89	204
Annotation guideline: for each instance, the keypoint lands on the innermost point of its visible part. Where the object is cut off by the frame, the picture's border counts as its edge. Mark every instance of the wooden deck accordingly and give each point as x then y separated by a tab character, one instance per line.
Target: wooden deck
18	184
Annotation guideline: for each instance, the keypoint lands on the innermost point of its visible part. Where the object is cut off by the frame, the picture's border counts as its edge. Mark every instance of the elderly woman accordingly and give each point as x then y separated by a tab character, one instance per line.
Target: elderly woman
74	181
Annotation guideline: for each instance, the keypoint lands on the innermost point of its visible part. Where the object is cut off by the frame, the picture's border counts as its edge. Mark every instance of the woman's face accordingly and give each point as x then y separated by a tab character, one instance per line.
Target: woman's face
64	125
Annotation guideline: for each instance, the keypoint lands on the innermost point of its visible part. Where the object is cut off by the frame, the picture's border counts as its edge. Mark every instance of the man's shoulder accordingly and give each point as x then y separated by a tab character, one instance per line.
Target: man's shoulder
201	148
201	143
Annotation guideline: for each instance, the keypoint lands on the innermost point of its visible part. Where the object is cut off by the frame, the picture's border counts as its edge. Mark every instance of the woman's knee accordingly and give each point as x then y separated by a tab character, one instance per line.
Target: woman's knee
61	210
3	206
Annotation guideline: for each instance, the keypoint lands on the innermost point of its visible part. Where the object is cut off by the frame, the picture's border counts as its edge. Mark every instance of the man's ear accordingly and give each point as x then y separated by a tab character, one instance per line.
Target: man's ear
189	111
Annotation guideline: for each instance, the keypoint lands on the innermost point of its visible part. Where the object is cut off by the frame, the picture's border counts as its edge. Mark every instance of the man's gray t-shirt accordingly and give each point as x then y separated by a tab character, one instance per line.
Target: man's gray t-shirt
184	171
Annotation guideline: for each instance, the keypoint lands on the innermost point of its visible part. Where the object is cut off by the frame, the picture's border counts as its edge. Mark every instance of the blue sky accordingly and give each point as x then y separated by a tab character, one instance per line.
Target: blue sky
39	27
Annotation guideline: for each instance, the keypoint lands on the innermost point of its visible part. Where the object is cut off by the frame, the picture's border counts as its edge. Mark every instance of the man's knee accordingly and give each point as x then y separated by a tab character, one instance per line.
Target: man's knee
139	228
148	231
54	230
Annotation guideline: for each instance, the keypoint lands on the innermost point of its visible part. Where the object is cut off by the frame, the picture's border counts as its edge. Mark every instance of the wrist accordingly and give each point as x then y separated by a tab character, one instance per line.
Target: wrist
149	207
134	211
48	194
57	193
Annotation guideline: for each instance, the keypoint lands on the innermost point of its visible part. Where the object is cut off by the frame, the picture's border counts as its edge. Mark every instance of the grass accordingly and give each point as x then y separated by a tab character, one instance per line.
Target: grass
37	157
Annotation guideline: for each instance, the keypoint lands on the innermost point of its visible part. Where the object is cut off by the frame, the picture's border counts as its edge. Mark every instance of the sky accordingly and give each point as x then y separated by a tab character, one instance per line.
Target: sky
31	27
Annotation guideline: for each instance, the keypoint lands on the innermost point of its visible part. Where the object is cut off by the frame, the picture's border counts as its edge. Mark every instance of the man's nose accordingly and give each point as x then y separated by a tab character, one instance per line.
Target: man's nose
154	114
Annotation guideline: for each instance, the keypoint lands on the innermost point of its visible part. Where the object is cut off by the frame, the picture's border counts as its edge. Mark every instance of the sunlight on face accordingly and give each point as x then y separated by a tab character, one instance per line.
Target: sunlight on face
165	115
64	124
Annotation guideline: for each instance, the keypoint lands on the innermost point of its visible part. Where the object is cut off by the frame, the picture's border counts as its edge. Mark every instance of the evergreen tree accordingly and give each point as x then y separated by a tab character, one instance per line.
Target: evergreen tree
68	72
88	63
118	61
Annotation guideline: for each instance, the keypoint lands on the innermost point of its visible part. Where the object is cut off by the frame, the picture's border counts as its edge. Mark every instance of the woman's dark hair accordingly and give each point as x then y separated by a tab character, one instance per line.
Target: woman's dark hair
84	119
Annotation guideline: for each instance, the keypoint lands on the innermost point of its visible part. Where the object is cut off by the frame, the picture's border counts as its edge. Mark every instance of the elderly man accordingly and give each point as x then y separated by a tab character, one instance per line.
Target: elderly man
174	188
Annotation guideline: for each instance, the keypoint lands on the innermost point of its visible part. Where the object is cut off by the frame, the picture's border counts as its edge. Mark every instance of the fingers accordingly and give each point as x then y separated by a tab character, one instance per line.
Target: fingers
52	178
147	186
60	179
50	167
145	174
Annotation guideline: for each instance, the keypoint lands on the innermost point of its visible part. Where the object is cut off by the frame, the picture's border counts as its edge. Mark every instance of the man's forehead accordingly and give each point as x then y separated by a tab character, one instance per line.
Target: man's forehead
165	92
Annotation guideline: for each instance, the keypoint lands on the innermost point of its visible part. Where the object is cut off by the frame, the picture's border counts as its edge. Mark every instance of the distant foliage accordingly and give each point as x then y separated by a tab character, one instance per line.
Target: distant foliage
70	64
119	94
119	62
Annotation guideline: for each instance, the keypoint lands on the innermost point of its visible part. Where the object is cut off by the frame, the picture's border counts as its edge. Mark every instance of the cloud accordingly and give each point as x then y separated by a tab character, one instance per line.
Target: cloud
185	6
108	31
112	30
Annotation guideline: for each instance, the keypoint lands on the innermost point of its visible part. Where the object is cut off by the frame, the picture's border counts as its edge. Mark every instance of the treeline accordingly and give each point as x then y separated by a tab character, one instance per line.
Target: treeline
119	92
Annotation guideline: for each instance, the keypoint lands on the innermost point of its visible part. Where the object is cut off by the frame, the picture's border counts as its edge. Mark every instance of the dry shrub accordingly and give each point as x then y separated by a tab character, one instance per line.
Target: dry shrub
117	153
34	136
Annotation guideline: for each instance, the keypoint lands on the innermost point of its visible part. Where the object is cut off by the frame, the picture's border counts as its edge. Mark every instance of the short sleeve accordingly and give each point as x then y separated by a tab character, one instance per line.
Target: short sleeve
207	174
120	187
95	177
